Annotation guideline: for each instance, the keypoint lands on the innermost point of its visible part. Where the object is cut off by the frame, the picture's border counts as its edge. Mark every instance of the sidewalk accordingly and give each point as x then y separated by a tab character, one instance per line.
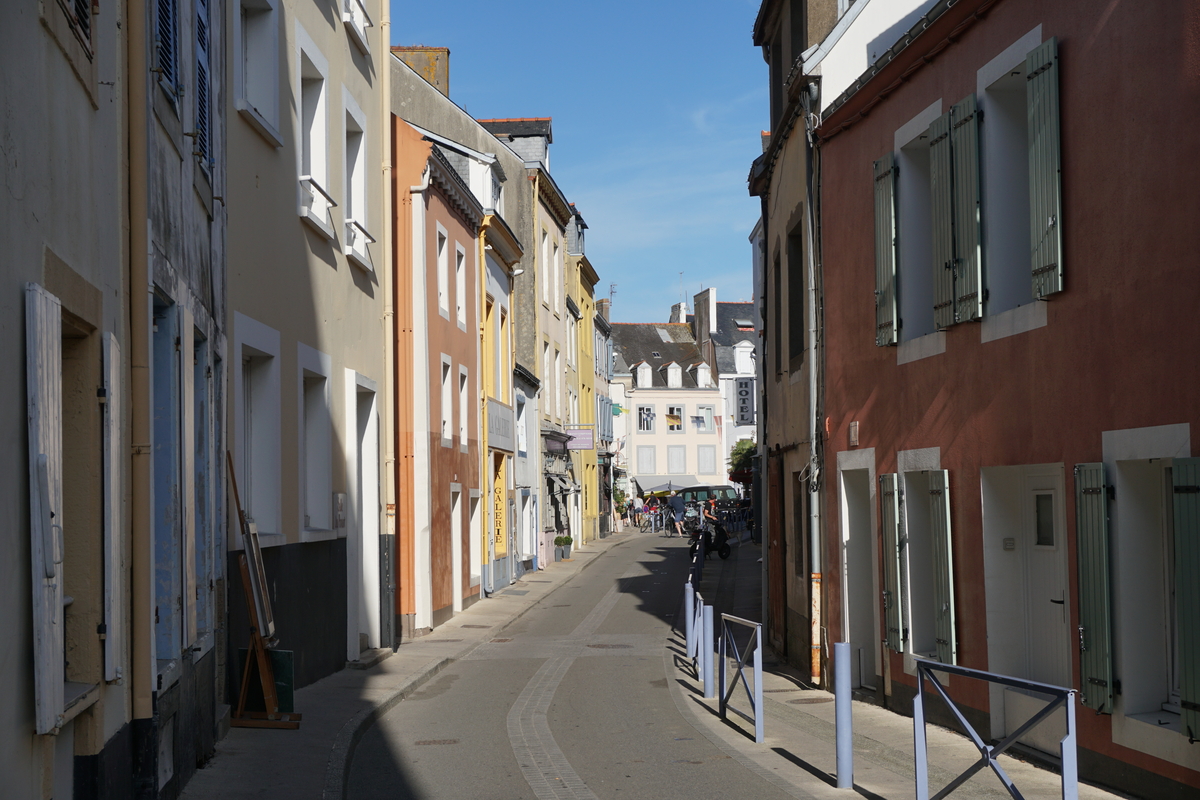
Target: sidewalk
799	751
314	761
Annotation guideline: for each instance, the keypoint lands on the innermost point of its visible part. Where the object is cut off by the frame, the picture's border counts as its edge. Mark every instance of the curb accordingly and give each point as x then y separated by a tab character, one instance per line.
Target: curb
341	755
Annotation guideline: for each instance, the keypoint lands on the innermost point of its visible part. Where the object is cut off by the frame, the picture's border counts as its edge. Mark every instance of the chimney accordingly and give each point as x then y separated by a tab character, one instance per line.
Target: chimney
431	63
705	304
602	307
679	312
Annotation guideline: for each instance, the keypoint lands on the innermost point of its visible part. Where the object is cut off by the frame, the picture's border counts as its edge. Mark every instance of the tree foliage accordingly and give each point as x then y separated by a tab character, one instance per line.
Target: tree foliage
742	454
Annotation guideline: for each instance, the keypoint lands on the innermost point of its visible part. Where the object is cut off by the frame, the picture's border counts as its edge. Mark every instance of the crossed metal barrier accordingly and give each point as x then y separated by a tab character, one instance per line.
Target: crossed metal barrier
730	650
989	754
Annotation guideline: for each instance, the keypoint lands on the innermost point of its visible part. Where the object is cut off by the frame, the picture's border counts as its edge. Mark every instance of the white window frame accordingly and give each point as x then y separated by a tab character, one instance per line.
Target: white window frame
447	398
558	372
356	19
707	421
315	437
354	183
642	460
706	451
256	66
677	451
316	204
464	407
460	285
682	412
442	247
645	414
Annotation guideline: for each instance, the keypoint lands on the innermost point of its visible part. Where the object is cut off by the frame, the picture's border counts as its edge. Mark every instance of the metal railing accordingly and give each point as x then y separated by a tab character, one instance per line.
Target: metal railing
989	754
699	637
730	650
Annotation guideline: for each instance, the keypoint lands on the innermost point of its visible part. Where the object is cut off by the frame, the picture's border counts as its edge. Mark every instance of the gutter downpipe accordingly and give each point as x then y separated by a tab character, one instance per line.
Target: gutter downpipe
814	448
140	402
762	508
391	479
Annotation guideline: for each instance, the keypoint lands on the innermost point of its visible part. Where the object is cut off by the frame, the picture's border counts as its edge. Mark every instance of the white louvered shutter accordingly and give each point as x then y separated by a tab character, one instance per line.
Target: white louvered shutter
114	513
893	617
943	566
886	324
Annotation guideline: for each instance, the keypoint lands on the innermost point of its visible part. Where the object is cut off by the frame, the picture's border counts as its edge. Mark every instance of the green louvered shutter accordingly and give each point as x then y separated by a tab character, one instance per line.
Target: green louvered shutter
885	250
941	195
1186	476
1095	597
893	618
968	272
1045	185
943	566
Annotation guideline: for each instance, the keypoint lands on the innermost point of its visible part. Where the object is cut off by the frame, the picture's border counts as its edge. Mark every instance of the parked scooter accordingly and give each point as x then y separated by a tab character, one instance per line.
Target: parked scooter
711	533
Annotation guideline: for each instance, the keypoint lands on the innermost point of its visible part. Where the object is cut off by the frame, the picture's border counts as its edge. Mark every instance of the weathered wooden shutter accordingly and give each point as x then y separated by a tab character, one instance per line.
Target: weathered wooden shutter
1186	477
941	196
943	566
893	617
203	104
43	390
968	265
114	507
1045	168
1095	610
165	39
886	324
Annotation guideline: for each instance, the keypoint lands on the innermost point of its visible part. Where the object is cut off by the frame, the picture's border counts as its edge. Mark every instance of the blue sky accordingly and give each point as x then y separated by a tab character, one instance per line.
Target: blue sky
657	111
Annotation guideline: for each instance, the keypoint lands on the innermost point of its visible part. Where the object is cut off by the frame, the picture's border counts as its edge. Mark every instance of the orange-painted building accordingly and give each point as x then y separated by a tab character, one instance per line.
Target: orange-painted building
437	220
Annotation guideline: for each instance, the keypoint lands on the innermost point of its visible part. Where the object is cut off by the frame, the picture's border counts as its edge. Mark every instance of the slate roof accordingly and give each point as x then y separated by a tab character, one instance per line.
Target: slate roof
727	334
635	342
523	126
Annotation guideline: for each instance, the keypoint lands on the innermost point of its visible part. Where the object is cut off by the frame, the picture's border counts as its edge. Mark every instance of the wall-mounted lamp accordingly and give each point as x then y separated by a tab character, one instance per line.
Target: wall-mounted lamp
488	247
517	272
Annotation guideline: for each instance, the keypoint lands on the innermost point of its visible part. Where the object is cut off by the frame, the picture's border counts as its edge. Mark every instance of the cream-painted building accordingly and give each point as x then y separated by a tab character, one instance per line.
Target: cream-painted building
310	306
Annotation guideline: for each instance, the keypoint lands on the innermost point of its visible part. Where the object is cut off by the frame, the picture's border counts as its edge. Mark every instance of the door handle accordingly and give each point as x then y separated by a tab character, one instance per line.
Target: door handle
1058	602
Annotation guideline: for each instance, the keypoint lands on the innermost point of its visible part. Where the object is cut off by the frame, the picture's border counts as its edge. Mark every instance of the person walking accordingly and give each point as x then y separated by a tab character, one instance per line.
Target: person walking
675	501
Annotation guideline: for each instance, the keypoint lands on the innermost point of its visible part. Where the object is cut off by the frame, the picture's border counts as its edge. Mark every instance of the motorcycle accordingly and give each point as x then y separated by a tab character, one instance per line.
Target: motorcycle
711	534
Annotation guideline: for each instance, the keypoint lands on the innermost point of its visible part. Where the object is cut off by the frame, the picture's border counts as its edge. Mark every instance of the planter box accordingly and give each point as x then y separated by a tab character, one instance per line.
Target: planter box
566	551
558	553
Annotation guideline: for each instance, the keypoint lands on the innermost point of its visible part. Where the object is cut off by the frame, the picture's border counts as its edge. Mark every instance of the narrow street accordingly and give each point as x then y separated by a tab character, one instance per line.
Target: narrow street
573	700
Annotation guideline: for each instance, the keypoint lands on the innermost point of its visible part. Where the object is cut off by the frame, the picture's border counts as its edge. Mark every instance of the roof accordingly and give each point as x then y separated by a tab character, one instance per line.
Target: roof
657	344
728	333
518	127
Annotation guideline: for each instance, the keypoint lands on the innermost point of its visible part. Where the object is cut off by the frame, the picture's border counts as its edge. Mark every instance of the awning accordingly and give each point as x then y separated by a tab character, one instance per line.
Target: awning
664	483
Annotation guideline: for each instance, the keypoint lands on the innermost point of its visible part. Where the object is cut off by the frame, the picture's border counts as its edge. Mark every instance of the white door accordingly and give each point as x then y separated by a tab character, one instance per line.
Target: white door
1047	605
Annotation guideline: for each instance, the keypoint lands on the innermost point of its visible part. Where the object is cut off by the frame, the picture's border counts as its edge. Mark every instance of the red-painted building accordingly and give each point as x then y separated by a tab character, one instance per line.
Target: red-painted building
1010	371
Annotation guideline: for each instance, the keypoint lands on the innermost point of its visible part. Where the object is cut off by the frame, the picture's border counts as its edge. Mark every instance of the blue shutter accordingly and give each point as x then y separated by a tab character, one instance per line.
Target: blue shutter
886	324
203	103
1186	477
943	566
1045	168
166	39
1095	597
893	618
968	264
941	196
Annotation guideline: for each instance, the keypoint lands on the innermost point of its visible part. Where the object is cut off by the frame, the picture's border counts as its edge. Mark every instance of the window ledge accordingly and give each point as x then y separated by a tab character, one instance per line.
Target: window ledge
315	207
204	642
77	698
355	248
259	123
357	22
318	534
931	344
1021	319
168	673
447	442
1160	720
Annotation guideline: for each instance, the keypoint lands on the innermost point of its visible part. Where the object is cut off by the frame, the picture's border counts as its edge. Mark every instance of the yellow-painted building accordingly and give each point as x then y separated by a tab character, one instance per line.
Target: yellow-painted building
581	303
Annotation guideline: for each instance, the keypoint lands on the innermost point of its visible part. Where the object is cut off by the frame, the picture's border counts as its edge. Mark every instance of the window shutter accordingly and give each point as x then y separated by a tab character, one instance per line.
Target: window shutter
1095	616
885	250
114	500
202	84
166	38
941	192
1045	186
968	272
1186	476
943	566
893	619
43	386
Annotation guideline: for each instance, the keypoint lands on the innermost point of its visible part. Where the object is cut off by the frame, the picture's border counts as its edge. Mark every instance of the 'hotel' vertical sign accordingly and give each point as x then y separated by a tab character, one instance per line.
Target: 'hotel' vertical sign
745	401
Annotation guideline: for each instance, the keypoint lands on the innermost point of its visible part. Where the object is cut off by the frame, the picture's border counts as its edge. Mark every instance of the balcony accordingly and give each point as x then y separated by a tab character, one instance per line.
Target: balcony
357	22
315	205
355	247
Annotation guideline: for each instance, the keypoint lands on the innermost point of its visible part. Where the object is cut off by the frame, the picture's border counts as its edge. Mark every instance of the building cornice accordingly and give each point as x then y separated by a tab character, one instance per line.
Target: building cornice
500	237
550	194
447	181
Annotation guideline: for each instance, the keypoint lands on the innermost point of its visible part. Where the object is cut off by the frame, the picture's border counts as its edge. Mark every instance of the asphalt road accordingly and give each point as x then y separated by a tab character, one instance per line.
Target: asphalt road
576	699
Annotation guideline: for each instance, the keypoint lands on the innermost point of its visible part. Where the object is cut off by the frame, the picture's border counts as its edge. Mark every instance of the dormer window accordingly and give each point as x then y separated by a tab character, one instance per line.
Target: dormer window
703	376
643	376
674	376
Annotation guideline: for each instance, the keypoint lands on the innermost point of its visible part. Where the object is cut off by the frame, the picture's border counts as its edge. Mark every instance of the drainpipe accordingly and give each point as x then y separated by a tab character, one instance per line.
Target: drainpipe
391	475
815	432
140	401
761	507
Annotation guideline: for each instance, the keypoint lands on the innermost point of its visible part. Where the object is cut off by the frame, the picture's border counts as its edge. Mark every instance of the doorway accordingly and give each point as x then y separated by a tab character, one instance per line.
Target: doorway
858	577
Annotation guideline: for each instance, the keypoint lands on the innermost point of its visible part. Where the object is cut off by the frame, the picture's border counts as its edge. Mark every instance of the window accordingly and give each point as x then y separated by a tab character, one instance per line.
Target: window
777	312
202	141
572	343
558	381
460	285
546	268
645	460
505	376
704	419
644	375
447	403
497	194
443	273
557	276
354	15
674	419
522	445
914	214
316	202
676	459
703	376
674	376
927	577
464	408
546	376
316	440
259	468
355	192
706	459
796	299
257	68
645	419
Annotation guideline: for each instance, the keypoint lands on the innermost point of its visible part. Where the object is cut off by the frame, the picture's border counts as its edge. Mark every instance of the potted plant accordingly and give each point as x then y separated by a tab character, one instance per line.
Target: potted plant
562	547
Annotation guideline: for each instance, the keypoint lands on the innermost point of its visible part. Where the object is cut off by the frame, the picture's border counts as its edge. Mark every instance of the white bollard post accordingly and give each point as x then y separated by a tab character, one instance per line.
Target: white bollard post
689	600
706	658
844	727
